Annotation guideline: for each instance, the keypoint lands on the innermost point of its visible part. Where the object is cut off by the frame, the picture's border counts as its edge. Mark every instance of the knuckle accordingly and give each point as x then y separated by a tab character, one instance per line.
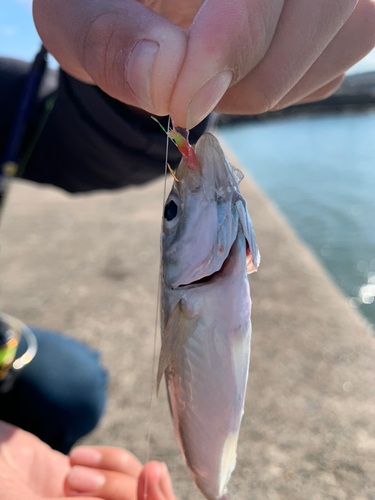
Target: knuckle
257	37
267	97
323	92
99	48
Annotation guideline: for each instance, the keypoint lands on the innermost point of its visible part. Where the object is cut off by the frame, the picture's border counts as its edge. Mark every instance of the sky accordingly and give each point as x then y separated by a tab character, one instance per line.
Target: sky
18	37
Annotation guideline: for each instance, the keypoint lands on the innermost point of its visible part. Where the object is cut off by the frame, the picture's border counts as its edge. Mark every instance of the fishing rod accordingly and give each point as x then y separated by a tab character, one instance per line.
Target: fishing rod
9	165
11	329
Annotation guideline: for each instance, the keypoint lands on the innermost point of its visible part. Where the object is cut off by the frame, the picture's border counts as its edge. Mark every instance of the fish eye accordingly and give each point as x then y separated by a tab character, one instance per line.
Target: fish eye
170	210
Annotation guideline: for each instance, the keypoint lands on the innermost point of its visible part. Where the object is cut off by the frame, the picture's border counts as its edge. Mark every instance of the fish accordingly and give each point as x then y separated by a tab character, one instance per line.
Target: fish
208	246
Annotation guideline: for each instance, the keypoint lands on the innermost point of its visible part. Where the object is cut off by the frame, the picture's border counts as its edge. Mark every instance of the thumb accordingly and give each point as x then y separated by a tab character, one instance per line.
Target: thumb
226	41
129	51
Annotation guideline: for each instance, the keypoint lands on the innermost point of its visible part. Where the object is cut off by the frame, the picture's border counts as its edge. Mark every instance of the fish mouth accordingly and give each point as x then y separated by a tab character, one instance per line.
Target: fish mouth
206	280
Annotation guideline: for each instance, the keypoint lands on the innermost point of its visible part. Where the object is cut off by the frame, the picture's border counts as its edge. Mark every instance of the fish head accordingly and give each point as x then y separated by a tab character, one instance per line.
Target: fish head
202	216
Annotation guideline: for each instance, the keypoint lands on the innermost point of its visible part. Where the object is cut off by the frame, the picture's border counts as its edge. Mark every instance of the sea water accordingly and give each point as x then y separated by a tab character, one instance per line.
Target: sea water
320	171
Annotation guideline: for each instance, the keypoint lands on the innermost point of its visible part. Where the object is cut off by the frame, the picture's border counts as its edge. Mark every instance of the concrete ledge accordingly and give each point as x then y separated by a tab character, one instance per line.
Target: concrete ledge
88	266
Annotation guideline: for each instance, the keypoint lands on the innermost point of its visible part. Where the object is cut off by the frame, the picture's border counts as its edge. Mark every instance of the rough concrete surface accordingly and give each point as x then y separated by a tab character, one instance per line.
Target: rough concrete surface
88	266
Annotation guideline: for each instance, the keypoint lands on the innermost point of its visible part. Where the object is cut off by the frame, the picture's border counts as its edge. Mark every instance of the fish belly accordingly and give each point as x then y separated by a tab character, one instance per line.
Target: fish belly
206	385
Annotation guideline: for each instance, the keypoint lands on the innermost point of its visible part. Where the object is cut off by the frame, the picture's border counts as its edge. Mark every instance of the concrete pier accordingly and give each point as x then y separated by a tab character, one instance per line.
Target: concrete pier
88	266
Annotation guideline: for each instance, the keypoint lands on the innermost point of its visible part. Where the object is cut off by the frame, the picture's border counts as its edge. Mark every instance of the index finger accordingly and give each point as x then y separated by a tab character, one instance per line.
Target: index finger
226	41
106	458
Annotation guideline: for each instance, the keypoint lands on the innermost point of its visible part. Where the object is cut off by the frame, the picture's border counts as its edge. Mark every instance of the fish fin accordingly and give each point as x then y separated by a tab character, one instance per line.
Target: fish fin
174	337
252	260
238	174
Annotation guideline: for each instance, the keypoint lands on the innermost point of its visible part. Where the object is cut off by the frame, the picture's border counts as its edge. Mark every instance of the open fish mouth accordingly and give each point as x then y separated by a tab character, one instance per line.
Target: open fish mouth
206	280
202	281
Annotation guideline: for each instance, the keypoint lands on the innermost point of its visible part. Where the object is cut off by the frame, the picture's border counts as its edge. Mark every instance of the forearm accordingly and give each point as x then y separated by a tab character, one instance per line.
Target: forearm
90	141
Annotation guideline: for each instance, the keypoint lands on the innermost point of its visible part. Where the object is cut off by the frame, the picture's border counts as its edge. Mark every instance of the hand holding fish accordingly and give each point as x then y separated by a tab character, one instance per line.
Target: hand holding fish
187	58
31	470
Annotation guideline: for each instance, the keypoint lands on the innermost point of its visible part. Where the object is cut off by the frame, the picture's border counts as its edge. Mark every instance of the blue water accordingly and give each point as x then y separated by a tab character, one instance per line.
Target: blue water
320	171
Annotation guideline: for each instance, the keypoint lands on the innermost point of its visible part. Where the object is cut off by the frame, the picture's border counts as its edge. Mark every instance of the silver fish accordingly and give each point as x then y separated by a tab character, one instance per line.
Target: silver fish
208	246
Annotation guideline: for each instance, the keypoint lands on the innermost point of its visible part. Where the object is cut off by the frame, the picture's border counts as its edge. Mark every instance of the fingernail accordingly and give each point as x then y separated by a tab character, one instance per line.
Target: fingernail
84	480
85	455
207	97
139	67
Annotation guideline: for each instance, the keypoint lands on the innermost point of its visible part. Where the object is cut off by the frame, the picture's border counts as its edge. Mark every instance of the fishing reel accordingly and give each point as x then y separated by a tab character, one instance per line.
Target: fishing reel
13	356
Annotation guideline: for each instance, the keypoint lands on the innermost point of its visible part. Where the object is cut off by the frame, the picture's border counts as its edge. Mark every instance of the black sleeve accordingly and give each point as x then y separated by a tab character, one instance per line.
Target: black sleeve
89	140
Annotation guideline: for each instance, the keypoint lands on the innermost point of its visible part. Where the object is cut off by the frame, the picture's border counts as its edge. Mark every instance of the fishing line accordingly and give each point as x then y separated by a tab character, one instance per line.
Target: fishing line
156	321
